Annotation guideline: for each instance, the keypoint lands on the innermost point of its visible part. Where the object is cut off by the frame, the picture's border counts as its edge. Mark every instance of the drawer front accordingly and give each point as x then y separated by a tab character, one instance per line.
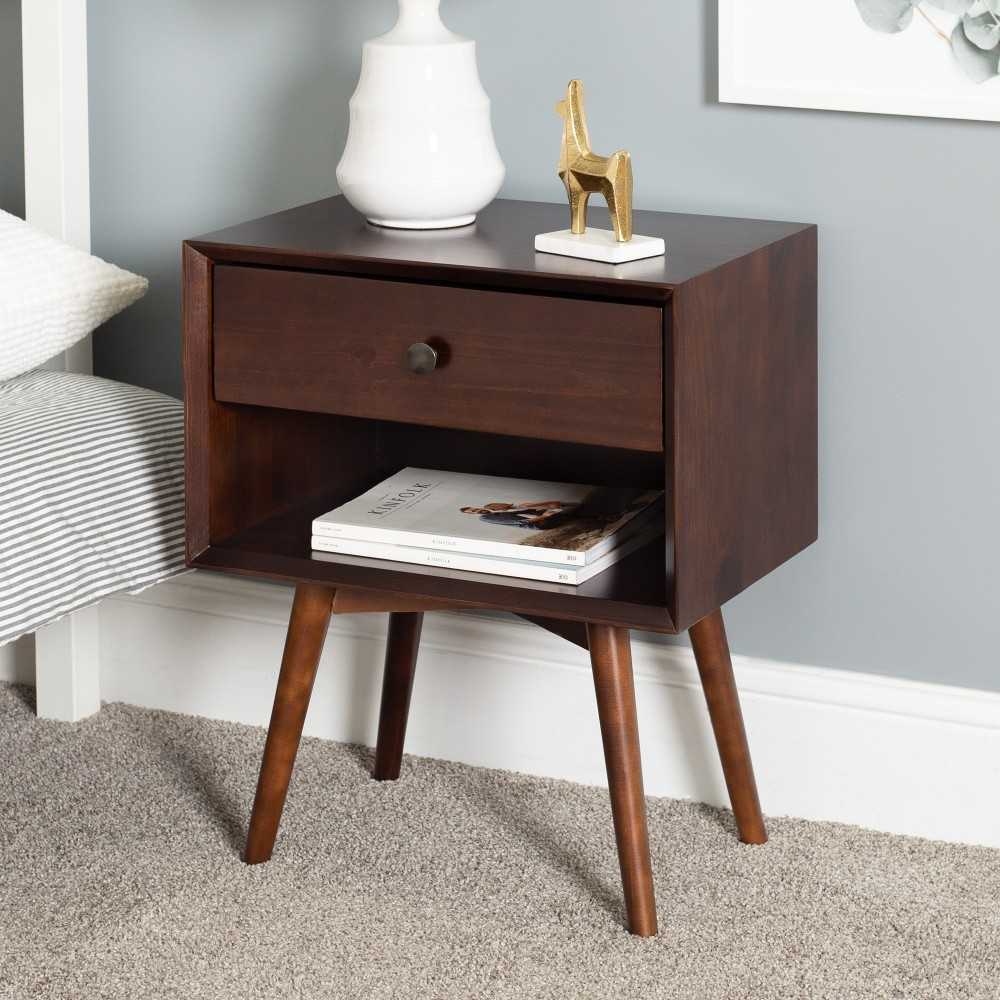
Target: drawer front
507	363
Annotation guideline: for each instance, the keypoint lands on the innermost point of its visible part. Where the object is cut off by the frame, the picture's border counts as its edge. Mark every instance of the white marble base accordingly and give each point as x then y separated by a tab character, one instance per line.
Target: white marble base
599	244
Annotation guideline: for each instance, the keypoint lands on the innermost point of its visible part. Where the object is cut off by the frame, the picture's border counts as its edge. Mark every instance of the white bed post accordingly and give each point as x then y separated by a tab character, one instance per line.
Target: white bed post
68	667
57	200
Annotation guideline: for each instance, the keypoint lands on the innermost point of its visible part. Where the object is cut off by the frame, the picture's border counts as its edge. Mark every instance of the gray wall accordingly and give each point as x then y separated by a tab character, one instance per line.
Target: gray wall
203	114
11	110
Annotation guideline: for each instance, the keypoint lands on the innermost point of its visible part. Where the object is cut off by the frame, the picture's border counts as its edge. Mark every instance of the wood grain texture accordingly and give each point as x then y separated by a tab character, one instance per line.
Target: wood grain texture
742	423
695	371
541	366
351	601
455	450
245	464
303	647
397	686
715	665
201	412
574	632
632	591
611	658
737	300
497	252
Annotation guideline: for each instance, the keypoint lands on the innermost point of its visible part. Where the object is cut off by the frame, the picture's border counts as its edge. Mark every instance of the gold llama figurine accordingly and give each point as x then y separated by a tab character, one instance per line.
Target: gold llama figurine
585	174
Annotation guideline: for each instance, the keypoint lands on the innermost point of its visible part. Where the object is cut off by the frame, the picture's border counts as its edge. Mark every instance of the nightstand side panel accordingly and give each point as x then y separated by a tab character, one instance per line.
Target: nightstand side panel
742	422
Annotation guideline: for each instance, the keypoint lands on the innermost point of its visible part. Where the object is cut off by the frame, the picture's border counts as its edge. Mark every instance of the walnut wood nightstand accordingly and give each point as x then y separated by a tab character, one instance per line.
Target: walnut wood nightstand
694	373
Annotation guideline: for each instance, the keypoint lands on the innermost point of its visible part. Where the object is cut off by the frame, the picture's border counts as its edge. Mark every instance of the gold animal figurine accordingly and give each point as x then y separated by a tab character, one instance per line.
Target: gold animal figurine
585	174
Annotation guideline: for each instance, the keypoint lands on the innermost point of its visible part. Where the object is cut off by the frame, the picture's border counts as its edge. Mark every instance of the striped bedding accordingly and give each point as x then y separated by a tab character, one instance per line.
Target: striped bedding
91	494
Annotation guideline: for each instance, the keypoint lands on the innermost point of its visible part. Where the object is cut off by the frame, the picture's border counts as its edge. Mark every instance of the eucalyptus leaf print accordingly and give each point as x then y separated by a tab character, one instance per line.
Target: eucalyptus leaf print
970	28
886	15
952	6
982	31
980	65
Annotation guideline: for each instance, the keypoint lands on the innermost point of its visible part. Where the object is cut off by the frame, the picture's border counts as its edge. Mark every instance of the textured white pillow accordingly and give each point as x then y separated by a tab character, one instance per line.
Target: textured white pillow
52	295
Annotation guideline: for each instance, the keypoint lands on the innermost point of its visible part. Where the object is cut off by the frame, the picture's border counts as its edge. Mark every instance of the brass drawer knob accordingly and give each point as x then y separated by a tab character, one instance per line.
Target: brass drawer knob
421	359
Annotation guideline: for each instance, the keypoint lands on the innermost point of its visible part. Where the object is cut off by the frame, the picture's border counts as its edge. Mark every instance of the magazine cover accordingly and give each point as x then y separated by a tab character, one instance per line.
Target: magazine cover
520	518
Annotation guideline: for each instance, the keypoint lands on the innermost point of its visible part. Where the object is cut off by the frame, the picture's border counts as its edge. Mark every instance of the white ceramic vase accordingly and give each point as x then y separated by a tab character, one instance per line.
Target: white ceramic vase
420	153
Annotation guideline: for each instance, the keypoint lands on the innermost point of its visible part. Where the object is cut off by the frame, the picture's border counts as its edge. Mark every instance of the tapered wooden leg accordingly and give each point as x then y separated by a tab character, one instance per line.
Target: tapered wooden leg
397	685
611	659
711	650
303	646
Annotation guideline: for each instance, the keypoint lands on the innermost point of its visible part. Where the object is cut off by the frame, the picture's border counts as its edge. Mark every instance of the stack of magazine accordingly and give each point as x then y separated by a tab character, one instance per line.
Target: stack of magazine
557	532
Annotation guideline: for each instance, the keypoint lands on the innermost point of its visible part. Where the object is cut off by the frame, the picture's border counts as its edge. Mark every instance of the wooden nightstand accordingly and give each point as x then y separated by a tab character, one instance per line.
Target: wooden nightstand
694	373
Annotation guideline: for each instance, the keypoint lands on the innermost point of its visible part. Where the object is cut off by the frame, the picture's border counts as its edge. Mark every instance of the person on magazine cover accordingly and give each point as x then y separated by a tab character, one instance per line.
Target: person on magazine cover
522	515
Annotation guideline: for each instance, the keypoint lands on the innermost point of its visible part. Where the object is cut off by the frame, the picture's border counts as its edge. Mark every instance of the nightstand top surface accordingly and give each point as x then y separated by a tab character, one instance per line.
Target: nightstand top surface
500	243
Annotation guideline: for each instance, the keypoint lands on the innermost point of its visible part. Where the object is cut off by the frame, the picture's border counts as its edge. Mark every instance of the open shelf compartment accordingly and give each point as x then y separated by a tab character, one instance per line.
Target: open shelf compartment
309	463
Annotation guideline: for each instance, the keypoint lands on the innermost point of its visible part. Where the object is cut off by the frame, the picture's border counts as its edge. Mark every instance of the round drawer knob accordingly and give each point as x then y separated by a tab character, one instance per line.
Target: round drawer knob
421	359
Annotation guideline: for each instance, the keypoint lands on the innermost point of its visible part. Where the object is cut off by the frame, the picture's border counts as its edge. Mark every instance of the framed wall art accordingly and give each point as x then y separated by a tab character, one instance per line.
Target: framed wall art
936	58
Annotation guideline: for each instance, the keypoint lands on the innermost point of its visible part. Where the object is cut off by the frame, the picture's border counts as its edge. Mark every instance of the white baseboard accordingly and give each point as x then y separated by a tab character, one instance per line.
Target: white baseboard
889	754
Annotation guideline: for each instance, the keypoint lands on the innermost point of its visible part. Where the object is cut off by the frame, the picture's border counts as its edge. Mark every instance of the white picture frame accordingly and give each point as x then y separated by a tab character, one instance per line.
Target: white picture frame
822	54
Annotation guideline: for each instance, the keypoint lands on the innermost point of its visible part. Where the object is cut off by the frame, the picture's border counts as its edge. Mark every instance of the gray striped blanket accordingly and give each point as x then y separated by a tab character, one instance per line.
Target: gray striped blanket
91	494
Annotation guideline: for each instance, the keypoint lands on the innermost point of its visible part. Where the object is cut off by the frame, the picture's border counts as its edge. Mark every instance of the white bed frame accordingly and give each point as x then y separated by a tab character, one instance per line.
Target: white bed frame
57	200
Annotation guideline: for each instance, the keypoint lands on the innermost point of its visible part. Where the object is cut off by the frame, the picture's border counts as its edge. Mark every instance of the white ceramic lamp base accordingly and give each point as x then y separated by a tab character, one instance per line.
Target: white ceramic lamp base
599	244
452	223
420	151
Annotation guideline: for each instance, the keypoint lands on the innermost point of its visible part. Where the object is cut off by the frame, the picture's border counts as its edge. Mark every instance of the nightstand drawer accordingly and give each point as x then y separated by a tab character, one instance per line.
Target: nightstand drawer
507	363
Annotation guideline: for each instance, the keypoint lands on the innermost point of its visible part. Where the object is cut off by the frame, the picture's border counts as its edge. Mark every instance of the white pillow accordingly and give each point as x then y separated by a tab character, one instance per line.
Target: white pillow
52	295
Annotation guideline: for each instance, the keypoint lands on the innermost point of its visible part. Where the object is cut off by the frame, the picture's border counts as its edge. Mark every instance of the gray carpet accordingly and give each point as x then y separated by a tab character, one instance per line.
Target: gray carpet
120	877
